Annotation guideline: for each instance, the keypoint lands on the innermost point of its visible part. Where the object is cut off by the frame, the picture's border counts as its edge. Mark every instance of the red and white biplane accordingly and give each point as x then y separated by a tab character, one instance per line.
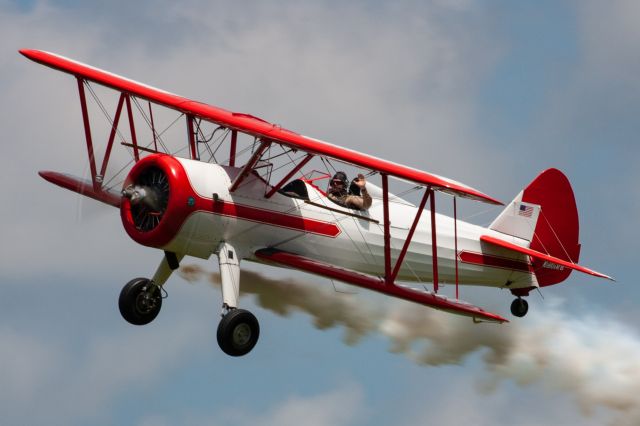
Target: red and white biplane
257	204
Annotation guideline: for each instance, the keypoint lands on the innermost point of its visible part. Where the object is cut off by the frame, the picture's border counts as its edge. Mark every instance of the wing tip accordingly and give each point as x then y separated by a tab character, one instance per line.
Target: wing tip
494	319
484	197
493	200
479	196
39	56
489	317
600	275
27	53
607	277
465	191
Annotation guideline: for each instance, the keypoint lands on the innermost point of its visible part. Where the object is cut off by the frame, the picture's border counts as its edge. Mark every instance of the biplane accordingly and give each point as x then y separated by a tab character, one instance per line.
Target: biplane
244	189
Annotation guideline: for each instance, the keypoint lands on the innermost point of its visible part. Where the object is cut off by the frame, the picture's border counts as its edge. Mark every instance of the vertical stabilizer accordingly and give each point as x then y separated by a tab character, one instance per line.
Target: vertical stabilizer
518	219
545	214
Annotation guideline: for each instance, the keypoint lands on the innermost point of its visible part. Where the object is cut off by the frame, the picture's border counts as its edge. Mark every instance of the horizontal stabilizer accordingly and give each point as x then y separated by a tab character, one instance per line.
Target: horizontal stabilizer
541	256
377	284
82	187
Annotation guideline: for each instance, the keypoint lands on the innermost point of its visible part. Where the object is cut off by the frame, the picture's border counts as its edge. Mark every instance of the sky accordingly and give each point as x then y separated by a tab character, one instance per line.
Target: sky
487	93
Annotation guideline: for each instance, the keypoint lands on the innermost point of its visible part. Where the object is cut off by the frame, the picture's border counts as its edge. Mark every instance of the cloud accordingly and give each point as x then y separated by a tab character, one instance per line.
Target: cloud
341	406
591	358
24	366
461	403
72	386
610	35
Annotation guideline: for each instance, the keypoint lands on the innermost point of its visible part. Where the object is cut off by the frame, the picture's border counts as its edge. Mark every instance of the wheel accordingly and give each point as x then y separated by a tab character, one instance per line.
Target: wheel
238	332
519	307
140	301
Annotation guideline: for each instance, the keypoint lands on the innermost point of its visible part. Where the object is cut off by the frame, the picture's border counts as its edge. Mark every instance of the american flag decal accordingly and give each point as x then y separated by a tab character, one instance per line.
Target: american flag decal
525	211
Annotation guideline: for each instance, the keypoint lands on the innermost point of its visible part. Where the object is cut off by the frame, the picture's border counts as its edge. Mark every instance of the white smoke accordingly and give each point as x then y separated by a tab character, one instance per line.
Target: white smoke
595	360
286	296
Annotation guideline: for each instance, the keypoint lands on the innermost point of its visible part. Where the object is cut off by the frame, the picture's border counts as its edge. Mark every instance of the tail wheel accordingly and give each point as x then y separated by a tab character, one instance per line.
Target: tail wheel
238	332
140	301
519	307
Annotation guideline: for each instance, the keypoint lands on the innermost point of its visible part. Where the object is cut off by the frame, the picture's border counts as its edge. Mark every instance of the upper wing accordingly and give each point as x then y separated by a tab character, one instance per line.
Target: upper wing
254	126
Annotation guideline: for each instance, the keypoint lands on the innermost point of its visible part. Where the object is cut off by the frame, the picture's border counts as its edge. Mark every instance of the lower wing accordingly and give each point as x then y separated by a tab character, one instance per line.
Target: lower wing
426	298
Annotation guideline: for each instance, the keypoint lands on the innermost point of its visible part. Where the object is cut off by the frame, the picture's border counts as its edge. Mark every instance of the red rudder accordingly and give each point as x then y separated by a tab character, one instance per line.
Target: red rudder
557	229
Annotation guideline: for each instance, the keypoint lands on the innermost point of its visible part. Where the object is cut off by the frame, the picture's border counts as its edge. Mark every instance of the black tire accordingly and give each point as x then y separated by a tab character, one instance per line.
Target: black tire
519	307
238	332
137	304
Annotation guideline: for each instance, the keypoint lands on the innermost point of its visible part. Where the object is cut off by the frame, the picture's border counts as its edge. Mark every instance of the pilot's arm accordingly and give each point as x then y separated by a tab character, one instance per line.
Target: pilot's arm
362	202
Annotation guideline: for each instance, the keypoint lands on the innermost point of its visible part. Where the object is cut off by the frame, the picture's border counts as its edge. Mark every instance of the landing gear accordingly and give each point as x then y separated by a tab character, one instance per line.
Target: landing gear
140	301
238	332
141	298
519	307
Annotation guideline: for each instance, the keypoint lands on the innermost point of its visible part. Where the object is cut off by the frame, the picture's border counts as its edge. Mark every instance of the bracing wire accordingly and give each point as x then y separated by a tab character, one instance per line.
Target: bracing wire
105	113
133	159
148	121
555	235
219	141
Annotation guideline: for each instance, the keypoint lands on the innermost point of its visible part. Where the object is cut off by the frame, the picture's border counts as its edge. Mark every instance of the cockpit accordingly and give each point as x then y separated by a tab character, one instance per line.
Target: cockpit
295	189
299	189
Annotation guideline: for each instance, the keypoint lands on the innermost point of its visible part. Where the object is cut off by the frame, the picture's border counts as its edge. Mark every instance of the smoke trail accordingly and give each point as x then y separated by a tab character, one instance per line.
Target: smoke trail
283	297
597	361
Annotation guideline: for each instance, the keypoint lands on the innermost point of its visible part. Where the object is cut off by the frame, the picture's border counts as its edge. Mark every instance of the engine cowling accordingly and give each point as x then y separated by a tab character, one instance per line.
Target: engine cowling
157	199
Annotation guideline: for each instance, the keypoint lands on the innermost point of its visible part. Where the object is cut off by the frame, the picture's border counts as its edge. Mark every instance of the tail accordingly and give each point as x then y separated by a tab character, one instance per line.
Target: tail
545	214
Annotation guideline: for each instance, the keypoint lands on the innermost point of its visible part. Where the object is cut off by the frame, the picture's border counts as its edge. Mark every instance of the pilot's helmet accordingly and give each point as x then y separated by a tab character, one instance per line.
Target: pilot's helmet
339	178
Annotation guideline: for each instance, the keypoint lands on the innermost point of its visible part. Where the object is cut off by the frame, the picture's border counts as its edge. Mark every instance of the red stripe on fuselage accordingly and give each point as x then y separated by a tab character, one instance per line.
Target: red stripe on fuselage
268	217
494	261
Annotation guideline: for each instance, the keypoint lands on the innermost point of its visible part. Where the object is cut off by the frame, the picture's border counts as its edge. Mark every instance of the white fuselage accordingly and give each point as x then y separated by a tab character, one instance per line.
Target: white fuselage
251	222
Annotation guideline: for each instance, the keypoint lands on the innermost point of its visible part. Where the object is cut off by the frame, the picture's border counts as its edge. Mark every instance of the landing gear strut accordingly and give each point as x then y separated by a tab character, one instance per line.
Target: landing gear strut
519	307
238	330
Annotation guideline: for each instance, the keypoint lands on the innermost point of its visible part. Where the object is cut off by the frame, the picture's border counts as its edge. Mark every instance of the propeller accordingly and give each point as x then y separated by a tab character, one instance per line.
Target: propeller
149	196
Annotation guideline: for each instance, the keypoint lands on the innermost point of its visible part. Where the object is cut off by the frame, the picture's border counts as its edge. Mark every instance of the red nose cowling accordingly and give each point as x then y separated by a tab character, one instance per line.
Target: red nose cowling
158	199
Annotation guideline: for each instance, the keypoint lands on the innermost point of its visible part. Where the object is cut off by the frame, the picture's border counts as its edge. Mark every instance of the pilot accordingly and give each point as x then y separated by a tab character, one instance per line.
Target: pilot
356	197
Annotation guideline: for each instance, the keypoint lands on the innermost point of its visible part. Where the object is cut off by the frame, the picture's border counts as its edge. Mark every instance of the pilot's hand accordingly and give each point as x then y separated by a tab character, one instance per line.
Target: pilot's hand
360	181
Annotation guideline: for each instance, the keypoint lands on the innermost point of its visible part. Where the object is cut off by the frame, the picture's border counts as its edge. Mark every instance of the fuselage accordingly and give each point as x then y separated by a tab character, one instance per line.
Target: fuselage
321	230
